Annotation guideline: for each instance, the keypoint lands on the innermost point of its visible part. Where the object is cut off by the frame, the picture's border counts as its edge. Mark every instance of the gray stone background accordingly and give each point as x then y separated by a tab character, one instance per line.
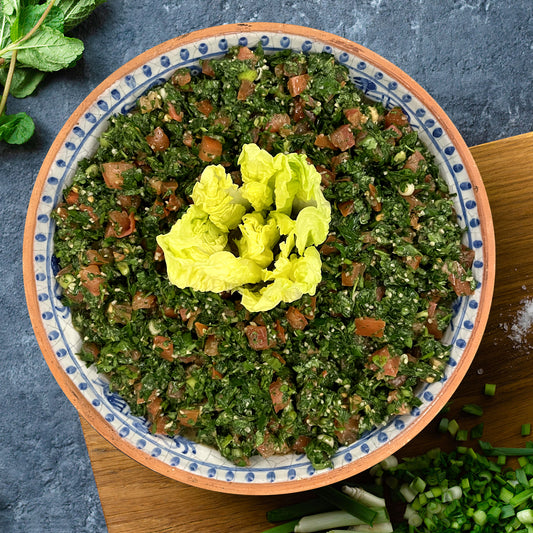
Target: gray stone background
475	57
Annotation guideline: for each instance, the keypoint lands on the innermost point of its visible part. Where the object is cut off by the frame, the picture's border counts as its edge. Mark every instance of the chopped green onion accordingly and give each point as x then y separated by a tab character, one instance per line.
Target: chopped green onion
490	389
453	427
473	409
333	520
462	435
525	430
488	449
347	504
443	425
525	516
477	431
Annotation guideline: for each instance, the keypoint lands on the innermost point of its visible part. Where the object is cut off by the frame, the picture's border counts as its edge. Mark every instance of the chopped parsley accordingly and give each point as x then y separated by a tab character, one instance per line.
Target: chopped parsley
307	376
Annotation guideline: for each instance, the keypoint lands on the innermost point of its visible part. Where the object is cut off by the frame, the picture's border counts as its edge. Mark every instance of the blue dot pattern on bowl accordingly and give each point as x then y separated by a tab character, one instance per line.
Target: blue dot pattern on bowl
120	97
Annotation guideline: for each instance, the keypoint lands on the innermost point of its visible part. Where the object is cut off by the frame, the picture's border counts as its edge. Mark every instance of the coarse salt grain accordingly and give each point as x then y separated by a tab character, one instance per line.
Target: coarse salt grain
523	322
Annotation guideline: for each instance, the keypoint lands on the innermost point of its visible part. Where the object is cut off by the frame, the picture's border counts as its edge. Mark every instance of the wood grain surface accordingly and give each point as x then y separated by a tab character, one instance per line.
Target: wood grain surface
137	500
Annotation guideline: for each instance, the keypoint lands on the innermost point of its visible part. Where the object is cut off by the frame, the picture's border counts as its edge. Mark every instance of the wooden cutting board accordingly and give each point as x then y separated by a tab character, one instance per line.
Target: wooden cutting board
137	500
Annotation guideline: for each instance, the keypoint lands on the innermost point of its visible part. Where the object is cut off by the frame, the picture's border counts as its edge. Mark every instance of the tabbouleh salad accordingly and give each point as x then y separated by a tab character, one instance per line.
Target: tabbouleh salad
308	375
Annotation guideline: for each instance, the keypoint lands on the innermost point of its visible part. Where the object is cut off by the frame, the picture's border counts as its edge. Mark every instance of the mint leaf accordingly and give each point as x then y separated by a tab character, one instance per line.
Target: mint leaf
10	7
16	129
49	50
76	11
30	15
24	82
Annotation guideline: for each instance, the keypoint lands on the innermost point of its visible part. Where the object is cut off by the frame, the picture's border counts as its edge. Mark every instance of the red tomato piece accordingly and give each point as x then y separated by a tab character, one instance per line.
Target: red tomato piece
92	279
296	319
121	224
166	347
397	117
276	394
143	301
369	327
297	84
112	173
257	337
210	149
158	140
342	137
246	89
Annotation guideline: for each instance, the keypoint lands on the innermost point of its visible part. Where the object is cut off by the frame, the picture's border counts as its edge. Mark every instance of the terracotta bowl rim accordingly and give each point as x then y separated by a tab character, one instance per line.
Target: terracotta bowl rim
86	410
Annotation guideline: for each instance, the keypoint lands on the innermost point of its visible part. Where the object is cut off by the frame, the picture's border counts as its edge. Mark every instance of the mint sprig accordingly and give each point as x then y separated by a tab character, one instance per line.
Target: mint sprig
32	43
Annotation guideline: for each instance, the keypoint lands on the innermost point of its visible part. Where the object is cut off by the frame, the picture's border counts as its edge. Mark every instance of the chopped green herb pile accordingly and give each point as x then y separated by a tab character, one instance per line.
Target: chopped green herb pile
304	377
32	43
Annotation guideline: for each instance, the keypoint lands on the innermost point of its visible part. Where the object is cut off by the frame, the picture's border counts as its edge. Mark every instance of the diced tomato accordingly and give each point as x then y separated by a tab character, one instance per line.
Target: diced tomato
397	134
170	312
413	161
300	444
383	360
154	405
210	149
467	257
322	141
121	224
245	53
90	348
143	301
298	112
278	121
173	114
98	257
297	84
280	332
181	77
90	211
92	279
327	248
276	394
205	107
246	89
158	140
257	337
72	197
174	202
369	327
296	319
355	117
166	347
200	329
413	262
222	120
346	208
128	201
211	346
456	278
215	374
375	204
397	117
279	358
159	426
349	431
351	273
112	173
188	417
207	69
342	137
188	139
327	176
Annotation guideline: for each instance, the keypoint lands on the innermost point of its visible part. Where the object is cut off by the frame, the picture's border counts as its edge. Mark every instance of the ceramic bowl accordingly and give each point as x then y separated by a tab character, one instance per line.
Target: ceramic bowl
107	412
